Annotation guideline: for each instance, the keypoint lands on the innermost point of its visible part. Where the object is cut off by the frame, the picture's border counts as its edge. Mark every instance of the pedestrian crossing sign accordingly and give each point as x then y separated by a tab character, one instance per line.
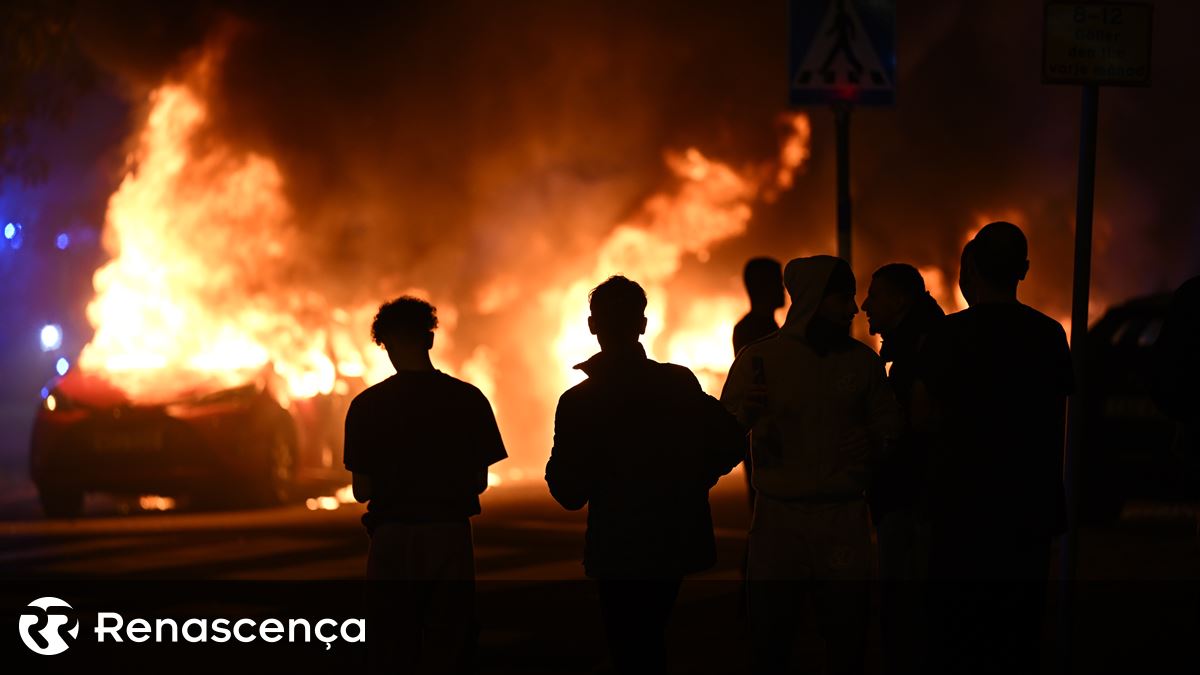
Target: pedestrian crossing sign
842	51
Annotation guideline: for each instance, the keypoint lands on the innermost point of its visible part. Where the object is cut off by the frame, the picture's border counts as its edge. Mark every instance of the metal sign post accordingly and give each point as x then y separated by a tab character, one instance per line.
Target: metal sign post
841	119
842	53
1091	44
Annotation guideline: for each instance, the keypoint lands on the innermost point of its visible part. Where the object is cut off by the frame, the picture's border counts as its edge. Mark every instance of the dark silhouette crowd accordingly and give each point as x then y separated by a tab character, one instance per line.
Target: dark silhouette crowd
937	477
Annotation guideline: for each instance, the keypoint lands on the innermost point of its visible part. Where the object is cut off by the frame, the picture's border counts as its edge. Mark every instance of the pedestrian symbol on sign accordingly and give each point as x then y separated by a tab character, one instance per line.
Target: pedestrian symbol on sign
841	54
842	50
843	27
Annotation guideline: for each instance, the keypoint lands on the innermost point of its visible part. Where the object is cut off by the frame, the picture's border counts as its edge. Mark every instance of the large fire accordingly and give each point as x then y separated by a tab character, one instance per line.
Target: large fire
200	236
207	286
202	239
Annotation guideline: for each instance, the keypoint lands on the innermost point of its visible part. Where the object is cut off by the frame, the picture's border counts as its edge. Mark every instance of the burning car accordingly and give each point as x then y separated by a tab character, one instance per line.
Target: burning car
206	440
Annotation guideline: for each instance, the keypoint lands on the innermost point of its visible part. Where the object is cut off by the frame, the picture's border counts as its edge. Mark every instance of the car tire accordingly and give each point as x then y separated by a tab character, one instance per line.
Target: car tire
61	502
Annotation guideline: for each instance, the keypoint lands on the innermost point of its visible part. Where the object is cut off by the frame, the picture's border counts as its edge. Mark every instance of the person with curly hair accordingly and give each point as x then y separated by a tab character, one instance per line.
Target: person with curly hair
419	445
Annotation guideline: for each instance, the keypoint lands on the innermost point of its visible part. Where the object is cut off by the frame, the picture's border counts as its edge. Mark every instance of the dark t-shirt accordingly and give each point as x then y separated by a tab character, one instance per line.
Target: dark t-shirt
425	439
999	375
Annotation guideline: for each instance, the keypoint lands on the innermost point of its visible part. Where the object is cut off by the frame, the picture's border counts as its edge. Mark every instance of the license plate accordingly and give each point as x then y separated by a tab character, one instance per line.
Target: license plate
148	440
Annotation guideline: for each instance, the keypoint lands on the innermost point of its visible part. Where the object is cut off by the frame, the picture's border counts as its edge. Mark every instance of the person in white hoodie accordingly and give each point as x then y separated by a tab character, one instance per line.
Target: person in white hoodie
820	413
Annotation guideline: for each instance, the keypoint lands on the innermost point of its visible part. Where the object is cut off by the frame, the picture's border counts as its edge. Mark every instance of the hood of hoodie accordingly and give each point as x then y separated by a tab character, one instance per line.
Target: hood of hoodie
805	280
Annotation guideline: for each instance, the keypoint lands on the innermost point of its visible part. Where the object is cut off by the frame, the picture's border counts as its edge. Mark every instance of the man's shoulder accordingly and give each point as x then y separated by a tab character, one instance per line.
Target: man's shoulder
1043	322
422	383
372	393
456	386
662	375
675	372
957	327
957	320
577	393
861	352
767	343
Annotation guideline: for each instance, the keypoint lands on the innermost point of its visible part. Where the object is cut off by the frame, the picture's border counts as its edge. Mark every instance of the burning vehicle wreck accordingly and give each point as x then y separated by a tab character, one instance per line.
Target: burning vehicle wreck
207	441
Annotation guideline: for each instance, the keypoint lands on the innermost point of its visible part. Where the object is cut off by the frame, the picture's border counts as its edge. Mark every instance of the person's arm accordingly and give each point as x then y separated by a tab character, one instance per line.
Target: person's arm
488	441
724	436
567	470
718	436
355	452
740	395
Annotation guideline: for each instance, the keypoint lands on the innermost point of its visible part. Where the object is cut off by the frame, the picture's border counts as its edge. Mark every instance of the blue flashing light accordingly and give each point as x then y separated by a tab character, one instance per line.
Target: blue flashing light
12	232
45	393
52	337
62	241
62	365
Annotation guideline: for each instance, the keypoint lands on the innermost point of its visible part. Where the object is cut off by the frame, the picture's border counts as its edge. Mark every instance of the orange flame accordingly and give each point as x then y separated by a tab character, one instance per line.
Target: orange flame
711	203
205	246
195	229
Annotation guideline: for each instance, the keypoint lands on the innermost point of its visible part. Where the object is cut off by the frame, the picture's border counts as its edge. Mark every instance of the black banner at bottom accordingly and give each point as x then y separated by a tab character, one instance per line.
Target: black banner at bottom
550	627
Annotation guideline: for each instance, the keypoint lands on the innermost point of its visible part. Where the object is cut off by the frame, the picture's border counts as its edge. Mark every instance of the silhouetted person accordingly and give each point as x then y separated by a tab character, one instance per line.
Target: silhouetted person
821	413
996	376
640	444
899	309
1176	365
764	284
419	445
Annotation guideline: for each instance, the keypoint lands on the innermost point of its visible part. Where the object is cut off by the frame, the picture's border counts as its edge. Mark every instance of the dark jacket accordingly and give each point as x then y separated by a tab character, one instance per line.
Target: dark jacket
901	480
640	443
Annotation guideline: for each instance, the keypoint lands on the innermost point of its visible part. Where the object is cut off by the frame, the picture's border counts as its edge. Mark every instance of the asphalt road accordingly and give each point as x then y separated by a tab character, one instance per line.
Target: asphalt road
522	534
537	612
